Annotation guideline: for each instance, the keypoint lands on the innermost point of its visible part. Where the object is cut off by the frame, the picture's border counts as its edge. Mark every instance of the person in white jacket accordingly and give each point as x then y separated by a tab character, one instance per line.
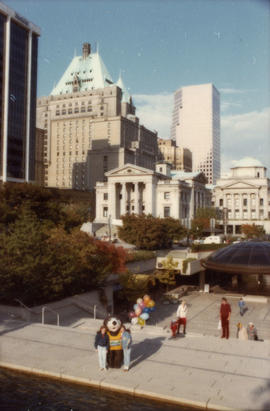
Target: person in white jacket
181	315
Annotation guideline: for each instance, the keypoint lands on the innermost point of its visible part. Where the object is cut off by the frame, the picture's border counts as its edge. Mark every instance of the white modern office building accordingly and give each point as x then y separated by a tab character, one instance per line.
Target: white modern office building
18	88
244	196
196	126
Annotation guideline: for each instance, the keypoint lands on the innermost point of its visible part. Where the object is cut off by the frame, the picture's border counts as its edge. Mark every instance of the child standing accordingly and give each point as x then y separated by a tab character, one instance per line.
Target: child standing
126	344
241	304
102	346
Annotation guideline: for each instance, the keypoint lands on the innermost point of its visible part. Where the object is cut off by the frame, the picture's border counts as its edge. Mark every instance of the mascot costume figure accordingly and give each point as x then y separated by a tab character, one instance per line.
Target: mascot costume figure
115	354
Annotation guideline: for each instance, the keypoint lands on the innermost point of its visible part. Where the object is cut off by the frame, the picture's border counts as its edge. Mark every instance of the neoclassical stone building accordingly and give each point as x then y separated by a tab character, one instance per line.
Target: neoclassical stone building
244	196
162	193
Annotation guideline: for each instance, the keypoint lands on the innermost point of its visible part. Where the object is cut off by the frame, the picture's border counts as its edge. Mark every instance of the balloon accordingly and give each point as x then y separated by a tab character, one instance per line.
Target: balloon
141	321
144	316
146	310
131	314
152	309
146	298
151	303
134	320
142	305
135	306
139	301
138	311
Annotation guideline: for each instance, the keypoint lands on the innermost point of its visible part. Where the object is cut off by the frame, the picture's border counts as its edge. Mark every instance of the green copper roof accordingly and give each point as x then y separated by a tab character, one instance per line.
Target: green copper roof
88	72
125	95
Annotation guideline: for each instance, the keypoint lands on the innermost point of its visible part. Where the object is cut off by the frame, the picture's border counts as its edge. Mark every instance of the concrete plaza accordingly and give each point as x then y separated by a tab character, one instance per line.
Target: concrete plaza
197	370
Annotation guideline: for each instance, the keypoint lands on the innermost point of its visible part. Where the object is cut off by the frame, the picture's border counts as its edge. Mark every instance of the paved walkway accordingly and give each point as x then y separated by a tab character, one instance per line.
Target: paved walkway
202	371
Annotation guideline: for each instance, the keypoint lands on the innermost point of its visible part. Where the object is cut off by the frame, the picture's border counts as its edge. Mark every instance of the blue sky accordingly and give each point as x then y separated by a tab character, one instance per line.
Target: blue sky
161	45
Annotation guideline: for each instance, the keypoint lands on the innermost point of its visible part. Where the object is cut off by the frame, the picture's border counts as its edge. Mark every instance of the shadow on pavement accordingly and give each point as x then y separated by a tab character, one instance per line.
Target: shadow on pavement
262	391
144	349
9	326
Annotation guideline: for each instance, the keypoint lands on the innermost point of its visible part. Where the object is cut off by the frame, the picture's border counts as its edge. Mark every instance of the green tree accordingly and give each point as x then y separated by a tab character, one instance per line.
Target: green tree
167	276
252	231
40	264
201	222
150	233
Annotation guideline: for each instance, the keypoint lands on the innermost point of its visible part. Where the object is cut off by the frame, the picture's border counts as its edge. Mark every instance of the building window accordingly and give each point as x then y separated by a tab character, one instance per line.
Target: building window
261	201
105	196
237	214
221	202
245	202
253	214
167	211
166	195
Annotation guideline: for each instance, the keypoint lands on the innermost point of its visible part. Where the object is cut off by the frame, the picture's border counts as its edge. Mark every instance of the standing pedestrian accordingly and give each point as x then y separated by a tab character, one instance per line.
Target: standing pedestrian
181	315
126	344
241	333
241	304
225	314
102	343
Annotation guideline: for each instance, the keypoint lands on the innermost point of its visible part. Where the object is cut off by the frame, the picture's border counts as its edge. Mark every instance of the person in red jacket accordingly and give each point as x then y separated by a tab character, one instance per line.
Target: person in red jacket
225	314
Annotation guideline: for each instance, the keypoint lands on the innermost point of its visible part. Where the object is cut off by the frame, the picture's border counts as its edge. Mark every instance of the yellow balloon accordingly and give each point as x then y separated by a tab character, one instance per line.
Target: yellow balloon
141	321
146	299
151	304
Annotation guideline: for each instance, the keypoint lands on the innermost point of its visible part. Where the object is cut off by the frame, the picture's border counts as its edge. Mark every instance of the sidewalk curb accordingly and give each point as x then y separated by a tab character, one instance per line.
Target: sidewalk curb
118	388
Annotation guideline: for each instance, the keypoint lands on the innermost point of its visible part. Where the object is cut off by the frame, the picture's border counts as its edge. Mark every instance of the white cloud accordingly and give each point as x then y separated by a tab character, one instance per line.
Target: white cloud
235	90
244	135
155	111
227	105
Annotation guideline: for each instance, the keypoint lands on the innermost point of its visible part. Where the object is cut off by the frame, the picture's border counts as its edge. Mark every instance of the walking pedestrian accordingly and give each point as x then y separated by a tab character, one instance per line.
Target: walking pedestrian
126	344
102	343
181	315
225	314
241	304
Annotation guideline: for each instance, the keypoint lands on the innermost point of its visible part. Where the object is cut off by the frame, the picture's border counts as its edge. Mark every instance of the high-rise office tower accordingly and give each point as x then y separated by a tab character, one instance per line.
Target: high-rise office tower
196	126
18	87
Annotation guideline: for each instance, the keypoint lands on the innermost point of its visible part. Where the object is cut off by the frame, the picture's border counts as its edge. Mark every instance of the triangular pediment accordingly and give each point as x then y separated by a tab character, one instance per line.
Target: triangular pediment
129	170
240	185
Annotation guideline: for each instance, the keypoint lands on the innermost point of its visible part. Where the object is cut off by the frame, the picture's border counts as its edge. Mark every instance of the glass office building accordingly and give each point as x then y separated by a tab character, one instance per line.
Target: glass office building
18	89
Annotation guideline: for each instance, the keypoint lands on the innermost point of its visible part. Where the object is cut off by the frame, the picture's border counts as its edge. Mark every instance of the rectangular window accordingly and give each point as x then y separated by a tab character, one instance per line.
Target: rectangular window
261	201
105	196
166	195
245	202
167	211
221	202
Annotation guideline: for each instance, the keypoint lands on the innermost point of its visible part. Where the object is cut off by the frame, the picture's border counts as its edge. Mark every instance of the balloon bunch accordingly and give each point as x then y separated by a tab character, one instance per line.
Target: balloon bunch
142	310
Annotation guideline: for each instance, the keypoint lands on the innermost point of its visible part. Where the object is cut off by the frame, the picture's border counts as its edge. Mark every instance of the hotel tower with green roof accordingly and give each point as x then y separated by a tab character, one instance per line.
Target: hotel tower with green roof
90	126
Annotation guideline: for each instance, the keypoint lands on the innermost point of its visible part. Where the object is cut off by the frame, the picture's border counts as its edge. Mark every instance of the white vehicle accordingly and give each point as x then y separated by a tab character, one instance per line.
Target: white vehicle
213	239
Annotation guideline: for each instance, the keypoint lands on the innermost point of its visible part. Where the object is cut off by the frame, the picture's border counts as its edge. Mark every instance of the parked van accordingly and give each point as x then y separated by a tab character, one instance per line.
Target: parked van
213	239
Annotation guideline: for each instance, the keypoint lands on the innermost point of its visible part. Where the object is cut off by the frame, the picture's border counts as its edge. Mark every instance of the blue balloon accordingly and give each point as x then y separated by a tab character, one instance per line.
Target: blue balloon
146	310
135	306
152	309
144	316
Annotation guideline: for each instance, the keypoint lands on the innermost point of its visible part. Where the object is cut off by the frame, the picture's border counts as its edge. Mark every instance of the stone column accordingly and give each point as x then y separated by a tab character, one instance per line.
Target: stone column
136	198
123	204
191	214
112	201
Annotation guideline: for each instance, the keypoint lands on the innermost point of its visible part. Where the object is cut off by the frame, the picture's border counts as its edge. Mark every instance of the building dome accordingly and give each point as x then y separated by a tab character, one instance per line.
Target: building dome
248	162
248	257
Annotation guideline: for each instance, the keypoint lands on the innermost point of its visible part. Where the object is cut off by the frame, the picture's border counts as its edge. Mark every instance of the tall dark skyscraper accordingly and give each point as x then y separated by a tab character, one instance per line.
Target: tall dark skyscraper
18	89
